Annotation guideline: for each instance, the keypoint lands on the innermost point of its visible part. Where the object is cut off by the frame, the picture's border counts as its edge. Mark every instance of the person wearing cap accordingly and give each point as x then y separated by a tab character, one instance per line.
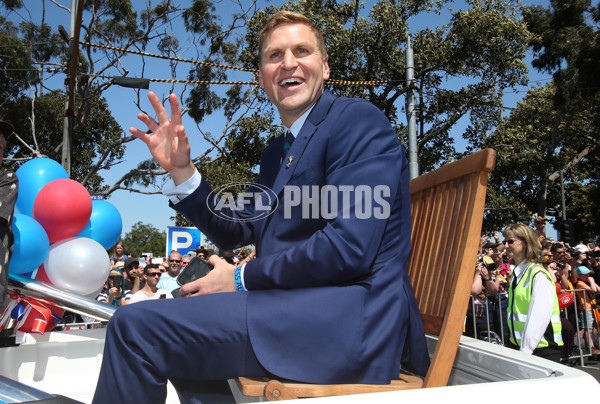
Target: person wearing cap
132	274
9	188
586	287
540	227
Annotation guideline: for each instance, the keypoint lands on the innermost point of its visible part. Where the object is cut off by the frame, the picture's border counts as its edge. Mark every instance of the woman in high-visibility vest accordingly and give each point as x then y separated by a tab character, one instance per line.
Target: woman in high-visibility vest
532	300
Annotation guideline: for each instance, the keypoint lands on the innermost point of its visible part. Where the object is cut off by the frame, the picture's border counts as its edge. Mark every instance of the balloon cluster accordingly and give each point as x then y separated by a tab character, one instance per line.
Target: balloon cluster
60	231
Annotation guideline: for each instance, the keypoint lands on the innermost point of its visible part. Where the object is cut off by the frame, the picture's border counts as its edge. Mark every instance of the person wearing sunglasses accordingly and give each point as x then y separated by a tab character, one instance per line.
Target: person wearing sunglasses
150	291
168	281
115	292
532	300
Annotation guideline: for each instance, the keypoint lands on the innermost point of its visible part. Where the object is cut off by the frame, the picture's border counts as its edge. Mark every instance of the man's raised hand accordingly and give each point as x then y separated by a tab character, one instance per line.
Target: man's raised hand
168	142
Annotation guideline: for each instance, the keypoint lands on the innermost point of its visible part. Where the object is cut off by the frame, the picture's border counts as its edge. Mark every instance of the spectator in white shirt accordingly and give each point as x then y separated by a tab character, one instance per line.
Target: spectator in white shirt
150	291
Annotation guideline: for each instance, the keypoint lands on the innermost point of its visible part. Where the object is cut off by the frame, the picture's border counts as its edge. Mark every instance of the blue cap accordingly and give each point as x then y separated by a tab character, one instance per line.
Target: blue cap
582	270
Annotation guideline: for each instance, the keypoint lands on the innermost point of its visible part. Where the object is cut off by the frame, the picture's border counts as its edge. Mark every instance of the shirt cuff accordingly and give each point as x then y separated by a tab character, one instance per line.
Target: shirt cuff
178	192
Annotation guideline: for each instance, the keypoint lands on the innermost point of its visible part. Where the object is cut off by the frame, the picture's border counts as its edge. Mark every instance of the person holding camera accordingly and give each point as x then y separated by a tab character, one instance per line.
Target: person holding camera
116	292
485	284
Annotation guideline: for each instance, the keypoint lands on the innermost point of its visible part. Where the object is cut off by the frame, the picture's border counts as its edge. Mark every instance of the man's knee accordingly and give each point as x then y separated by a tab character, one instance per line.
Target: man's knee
125	319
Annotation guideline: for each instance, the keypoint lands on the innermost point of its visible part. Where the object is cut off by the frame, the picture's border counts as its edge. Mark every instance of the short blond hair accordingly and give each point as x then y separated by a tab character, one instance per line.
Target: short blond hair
288	17
531	240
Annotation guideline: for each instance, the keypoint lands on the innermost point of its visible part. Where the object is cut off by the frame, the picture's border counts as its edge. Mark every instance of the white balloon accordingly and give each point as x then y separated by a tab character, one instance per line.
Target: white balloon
77	264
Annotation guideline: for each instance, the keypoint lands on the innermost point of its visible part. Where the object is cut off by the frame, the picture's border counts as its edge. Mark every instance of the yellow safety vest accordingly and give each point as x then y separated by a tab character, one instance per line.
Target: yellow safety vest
519	298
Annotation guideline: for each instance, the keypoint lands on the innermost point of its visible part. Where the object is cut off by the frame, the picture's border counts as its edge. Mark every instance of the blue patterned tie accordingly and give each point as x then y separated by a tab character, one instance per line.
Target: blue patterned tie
287	143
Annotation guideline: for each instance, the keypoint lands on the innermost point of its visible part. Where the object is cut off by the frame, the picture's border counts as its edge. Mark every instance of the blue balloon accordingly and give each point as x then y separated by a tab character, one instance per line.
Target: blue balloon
105	224
33	176
31	245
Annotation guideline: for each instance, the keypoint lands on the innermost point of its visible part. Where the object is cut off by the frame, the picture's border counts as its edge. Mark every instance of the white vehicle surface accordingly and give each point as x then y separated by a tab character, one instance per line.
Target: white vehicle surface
67	363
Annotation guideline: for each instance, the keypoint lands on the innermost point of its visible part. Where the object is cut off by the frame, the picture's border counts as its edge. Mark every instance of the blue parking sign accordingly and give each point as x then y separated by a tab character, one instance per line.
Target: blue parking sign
183	239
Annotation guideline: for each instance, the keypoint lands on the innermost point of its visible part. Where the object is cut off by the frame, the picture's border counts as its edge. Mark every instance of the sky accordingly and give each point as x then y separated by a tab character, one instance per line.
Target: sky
154	209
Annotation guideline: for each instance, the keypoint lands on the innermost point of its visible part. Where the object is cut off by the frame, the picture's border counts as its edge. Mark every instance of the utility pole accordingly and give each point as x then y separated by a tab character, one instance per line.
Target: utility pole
411	113
69	112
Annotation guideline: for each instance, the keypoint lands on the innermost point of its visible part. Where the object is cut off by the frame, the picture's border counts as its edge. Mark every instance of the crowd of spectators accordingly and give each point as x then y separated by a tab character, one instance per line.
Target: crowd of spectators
137	279
574	270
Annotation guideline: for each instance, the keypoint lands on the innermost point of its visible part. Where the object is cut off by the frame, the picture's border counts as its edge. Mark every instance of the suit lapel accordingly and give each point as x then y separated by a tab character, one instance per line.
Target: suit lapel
271	159
284	173
294	156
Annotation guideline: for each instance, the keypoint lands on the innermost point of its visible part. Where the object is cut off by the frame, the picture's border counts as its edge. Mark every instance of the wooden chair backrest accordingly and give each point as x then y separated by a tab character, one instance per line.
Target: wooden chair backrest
447	215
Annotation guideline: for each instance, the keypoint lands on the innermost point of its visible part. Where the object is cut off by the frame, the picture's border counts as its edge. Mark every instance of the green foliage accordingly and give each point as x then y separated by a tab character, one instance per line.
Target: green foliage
482	46
536	141
566	43
144	238
16	69
91	140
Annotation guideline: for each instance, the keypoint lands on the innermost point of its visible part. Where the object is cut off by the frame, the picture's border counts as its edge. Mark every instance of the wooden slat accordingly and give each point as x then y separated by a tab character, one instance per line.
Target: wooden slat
255	387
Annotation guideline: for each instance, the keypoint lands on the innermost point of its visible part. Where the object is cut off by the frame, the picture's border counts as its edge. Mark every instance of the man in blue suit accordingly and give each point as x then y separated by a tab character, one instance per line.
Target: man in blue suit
328	298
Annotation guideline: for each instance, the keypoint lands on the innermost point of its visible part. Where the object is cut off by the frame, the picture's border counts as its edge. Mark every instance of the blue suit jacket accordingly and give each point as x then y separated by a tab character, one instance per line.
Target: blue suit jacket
329	297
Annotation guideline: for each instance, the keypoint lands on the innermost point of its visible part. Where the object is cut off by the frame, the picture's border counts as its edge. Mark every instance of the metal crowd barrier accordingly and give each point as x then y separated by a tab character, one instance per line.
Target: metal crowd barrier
492	335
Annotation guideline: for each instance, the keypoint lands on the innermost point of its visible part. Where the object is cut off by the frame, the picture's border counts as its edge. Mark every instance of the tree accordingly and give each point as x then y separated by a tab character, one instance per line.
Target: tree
534	143
145	238
482	45
566	43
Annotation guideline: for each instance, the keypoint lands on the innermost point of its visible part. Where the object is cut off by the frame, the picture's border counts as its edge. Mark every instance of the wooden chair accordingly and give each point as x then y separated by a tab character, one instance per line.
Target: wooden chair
447	214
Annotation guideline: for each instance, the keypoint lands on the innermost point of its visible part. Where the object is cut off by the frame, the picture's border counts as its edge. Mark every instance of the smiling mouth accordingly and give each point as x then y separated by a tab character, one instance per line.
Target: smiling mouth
291	82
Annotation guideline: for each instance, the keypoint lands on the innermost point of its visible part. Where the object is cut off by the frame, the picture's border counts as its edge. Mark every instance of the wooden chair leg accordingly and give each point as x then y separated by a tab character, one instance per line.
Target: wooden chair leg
276	391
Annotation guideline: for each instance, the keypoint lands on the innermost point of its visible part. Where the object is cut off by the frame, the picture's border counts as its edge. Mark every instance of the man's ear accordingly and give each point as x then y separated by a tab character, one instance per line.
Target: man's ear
260	79
326	68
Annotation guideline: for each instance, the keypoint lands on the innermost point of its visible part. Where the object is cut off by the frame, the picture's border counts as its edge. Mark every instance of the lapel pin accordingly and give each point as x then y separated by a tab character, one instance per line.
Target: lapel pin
290	159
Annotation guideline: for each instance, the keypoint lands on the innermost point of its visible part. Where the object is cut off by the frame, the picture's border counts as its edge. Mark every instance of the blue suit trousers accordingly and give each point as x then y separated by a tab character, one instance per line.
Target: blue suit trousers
138	361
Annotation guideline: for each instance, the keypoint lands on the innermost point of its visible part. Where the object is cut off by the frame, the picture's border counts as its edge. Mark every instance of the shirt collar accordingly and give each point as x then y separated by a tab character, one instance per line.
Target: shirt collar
298	123
520	269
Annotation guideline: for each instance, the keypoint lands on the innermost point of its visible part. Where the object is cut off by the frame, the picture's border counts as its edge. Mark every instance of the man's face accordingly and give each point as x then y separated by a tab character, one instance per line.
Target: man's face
174	263
153	276
185	261
202	257
132	270
559	254
292	70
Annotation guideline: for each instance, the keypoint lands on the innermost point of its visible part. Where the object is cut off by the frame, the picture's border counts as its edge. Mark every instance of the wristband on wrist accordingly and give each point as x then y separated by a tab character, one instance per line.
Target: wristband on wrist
237	276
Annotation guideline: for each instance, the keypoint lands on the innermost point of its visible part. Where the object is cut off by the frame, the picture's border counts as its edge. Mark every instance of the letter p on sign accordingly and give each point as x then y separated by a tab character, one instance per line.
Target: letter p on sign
181	239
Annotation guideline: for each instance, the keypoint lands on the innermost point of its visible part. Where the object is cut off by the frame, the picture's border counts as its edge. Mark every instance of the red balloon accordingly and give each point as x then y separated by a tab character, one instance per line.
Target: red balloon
63	207
42	276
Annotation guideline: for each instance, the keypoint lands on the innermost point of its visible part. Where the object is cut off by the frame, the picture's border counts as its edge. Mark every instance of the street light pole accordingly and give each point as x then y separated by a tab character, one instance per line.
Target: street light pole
69	112
411	113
